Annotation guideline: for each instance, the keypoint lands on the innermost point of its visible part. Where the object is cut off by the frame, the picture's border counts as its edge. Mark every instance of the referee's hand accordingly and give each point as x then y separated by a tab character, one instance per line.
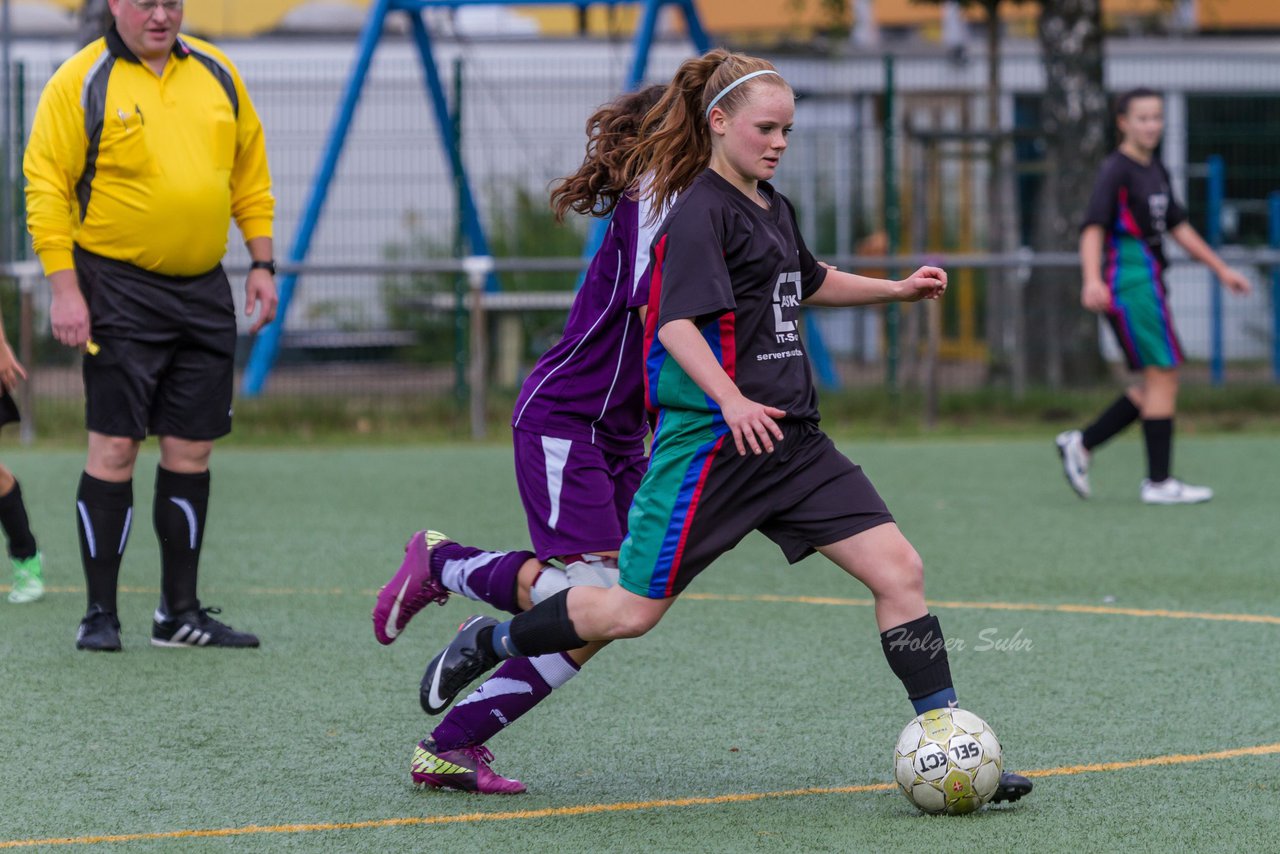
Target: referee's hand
260	295
68	312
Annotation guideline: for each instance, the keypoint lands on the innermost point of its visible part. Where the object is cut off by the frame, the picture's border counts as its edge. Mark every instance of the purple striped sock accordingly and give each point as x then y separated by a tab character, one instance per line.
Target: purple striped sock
514	688
480	575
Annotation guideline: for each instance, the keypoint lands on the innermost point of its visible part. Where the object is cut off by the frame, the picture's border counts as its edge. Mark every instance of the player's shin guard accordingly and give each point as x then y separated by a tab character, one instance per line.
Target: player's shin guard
1119	415
592	570
17	528
589	570
178	512
1158	433
104	510
549	581
513	689
917	654
483	576
546	628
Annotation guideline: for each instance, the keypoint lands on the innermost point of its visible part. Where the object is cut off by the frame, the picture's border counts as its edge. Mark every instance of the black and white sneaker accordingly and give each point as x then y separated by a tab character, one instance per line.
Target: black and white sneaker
197	628
1012	787
99	631
461	662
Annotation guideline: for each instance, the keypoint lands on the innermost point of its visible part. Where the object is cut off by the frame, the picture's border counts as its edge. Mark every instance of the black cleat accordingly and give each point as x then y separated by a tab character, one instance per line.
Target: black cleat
1012	787
460	664
197	628
99	631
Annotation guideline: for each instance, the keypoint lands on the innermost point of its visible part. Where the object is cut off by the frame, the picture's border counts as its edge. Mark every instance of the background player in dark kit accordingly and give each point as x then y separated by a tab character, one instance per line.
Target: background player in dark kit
1122	262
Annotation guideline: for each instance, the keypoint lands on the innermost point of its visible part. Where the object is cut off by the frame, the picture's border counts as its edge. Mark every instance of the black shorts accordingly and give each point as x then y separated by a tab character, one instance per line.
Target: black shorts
699	498
166	358
8	409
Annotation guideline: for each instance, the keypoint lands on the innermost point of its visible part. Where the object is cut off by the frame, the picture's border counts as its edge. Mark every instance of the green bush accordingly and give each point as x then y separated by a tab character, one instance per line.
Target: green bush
524	227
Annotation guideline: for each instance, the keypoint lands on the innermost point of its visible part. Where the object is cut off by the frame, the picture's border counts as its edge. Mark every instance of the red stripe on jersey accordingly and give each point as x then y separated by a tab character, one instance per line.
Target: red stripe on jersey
651	319
1130	223
1111	265
674	570
729	344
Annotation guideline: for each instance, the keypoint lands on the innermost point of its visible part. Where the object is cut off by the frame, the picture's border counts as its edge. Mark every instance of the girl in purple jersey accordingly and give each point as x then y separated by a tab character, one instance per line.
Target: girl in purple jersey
737	445
578	428
1122	263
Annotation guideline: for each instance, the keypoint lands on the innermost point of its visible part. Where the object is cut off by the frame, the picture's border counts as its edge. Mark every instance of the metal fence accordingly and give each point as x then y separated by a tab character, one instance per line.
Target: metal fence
383	307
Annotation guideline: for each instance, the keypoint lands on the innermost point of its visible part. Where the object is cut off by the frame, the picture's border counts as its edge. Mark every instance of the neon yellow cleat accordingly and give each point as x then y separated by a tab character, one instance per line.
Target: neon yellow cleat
28	580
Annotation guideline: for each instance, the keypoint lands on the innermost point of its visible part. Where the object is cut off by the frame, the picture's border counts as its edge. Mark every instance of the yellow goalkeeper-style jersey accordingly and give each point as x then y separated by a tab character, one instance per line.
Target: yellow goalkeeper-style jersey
142	168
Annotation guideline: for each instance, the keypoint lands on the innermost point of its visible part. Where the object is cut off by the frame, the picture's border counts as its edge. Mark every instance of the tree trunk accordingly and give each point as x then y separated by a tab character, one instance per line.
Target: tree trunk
1003	226
1061	337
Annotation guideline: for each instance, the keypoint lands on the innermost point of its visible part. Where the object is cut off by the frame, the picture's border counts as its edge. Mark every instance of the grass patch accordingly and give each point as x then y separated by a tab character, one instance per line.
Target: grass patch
304	744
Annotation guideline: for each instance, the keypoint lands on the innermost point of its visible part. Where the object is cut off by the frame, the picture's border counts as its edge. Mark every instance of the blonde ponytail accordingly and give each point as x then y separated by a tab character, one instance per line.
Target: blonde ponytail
675	139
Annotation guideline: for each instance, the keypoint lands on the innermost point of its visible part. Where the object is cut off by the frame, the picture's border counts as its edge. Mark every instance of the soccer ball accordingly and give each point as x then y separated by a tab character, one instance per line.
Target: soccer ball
947	761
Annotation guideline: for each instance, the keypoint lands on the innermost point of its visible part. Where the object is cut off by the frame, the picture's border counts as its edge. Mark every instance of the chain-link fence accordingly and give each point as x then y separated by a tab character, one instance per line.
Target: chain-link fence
382	312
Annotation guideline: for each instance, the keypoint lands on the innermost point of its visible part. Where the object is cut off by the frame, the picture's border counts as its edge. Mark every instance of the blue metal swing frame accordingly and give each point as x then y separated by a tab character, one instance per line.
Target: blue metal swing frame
267	346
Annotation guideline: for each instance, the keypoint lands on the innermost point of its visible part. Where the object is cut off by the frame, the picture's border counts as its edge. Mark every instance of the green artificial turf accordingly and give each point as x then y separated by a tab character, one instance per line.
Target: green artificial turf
304	744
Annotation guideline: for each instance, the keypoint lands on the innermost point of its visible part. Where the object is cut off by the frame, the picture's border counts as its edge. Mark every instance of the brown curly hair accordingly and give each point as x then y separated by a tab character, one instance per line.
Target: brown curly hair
612	133
675	138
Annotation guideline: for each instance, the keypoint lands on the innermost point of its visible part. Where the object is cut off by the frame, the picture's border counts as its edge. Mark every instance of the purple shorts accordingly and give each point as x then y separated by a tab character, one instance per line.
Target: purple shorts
576	495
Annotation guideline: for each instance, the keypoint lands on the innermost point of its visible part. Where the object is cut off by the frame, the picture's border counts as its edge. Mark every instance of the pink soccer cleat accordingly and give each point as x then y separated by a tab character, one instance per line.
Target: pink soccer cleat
466	769
410	589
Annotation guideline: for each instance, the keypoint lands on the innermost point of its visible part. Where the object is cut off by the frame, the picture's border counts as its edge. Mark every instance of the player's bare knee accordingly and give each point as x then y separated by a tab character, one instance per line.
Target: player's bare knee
184	456
631	625
902	575
911	571
631	616
112	457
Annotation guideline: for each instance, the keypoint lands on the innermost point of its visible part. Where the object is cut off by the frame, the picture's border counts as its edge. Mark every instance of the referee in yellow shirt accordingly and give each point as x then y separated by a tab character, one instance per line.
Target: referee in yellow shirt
144	146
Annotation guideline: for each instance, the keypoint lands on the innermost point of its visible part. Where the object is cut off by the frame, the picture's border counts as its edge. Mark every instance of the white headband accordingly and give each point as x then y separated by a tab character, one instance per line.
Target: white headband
726	90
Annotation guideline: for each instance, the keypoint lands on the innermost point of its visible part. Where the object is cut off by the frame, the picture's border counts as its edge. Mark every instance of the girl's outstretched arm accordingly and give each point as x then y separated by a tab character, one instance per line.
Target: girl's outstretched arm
845	289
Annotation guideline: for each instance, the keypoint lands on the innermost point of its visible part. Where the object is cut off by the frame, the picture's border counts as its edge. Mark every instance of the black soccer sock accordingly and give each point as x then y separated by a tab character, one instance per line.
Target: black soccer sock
917	655
104	513
1119	415
17	528
181	501
544	628
1159	435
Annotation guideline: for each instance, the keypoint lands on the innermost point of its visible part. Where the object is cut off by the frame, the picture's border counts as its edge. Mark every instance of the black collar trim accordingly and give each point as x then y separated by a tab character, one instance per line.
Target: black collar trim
117	47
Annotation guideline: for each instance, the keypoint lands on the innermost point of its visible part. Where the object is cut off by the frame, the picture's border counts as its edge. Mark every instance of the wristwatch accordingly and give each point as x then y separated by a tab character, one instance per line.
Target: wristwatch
269	266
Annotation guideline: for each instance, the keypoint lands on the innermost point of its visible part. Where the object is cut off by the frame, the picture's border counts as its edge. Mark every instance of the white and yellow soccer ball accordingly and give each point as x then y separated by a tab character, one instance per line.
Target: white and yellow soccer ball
948	761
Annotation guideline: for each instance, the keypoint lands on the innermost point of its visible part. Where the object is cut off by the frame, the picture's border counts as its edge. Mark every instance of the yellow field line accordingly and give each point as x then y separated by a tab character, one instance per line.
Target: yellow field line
631	806
1171	759
1106	610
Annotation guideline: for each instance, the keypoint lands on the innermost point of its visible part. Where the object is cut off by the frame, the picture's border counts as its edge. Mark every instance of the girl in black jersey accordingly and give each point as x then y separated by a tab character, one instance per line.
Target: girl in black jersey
737	445
1122	262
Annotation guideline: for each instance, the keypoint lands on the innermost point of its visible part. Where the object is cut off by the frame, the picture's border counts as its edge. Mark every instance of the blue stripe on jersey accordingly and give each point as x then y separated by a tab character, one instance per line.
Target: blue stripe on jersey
682	512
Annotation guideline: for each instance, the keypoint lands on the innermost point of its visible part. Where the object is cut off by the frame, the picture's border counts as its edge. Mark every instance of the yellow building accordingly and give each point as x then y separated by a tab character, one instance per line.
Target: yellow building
773	20
753	20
